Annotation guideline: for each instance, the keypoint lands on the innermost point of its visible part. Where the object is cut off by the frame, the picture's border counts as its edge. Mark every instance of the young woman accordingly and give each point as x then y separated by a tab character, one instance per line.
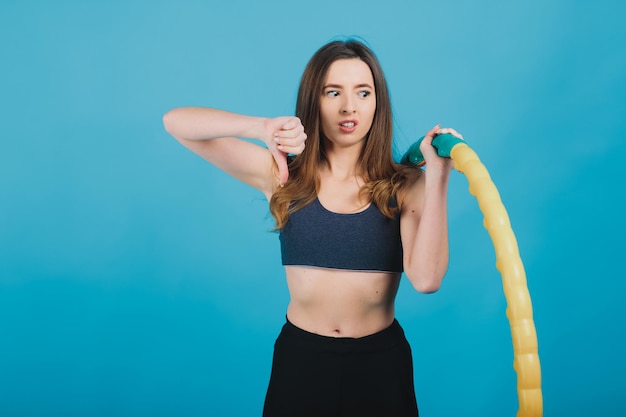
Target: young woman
350	222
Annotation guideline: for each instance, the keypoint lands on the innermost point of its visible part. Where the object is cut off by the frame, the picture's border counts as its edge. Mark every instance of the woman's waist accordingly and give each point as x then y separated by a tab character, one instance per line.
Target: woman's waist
340	303
346	324
345	320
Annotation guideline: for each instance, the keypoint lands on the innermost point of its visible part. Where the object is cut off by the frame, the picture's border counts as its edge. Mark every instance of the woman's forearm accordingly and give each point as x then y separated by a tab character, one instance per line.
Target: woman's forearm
199	123
430	253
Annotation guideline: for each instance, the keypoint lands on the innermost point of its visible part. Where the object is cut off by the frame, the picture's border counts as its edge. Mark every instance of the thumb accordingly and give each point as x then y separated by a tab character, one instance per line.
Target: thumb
281	163
432	133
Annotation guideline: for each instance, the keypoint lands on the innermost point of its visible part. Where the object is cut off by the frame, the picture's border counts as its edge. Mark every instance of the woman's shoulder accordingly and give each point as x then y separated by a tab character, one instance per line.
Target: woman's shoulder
411	185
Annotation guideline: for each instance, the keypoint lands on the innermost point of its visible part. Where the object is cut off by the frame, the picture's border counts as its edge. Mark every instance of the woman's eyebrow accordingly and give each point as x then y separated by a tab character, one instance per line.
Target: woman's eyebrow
363	85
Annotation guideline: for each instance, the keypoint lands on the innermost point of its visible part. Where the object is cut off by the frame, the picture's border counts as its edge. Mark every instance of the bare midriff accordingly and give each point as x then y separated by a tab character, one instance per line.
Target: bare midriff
341	303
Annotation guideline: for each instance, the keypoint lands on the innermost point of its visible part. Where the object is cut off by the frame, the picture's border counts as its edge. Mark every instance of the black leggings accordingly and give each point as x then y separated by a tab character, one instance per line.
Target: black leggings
315	375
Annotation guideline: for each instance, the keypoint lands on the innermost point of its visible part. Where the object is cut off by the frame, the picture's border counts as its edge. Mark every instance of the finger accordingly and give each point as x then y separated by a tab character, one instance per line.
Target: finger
455	133
292	123
288	142
295	134
298	129
281	162
285	144
295	149
449	131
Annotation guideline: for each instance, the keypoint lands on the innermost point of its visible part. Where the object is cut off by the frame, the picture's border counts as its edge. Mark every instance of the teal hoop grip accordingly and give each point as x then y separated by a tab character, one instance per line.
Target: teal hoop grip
442	143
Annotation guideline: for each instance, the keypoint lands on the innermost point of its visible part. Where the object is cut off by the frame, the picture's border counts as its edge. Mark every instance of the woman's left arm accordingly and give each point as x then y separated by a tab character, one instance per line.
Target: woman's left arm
424	219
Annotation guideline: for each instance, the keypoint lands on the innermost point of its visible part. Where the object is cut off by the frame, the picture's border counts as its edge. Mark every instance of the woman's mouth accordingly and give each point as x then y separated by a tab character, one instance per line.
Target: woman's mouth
348	126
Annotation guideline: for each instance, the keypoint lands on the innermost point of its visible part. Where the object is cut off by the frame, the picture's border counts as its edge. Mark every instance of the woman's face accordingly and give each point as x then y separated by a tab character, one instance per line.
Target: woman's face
348	102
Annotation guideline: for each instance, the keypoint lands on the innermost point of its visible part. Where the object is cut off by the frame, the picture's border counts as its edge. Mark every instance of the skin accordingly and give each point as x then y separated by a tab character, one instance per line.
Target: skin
328	302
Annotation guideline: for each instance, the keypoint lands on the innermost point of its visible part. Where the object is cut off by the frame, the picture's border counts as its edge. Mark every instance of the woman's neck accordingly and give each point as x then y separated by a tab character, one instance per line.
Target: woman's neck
342	164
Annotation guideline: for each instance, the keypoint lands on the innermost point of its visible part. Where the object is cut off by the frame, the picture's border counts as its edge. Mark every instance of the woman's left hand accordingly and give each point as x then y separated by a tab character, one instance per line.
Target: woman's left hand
430	153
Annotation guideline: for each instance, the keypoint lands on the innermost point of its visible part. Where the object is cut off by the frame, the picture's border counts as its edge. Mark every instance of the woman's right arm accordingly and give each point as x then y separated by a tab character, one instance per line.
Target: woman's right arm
214	135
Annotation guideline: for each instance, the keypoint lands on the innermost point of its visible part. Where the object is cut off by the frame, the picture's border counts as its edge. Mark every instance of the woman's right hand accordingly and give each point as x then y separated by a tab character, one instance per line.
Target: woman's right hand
284	135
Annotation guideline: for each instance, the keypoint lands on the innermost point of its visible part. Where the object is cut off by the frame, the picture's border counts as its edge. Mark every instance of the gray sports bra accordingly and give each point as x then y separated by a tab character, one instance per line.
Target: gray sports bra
363	241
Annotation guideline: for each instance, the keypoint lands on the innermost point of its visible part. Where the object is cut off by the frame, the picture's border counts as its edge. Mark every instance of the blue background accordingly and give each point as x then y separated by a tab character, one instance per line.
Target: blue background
135	279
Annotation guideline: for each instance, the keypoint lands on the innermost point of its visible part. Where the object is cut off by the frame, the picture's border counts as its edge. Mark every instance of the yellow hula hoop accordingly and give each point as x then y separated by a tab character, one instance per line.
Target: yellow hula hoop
508	262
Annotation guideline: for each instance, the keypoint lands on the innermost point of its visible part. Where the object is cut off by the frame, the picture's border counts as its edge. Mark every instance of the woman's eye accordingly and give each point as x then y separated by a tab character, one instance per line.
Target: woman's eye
364	94
332	93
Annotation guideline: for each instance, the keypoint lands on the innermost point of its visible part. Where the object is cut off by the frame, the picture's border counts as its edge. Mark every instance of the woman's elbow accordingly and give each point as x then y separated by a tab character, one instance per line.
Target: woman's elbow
426	286
167	121
172	124
426	282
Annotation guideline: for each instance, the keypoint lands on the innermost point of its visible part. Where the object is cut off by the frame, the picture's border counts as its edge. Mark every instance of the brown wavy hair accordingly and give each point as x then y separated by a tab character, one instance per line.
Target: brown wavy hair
382	177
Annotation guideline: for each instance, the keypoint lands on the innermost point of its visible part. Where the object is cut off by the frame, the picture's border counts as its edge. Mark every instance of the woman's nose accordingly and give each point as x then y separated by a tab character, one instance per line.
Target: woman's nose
348	105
